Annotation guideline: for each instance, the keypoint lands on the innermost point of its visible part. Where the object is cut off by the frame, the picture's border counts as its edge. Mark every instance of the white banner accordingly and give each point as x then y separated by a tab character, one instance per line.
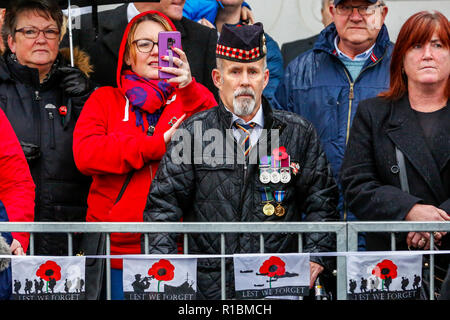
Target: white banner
274	275
48	278
160	279
387	277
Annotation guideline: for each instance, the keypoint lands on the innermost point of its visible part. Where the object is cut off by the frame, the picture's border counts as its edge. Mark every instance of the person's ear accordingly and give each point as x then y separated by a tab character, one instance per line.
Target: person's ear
11	44
127	59
266	77
217	78
384	12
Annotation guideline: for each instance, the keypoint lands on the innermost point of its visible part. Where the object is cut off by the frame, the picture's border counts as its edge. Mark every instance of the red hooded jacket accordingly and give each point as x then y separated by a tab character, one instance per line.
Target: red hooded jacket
108	145
17	189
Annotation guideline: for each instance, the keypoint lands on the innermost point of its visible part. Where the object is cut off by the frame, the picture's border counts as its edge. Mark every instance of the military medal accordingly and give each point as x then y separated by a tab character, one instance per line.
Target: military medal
285	175
267	198
264	170
268	209
275	174
279	197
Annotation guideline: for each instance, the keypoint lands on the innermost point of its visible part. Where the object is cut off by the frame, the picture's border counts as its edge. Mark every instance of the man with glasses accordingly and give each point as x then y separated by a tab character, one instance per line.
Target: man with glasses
349	62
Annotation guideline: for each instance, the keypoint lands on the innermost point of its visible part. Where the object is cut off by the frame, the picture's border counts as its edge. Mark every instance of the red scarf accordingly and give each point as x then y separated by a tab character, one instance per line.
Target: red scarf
146	96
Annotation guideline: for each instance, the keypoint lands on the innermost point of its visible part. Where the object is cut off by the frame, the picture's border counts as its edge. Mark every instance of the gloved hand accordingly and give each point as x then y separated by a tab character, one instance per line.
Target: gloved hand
74	82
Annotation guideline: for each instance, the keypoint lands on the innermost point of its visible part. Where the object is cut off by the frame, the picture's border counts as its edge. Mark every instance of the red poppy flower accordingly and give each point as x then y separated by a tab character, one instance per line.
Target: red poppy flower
279	154
274	266
49	269
162	270
385	269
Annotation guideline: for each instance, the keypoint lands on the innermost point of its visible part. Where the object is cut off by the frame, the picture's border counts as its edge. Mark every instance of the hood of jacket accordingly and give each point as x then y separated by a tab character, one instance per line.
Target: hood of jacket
123	44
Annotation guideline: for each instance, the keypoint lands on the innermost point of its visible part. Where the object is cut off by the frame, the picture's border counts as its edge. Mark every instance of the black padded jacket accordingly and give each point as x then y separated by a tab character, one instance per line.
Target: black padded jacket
219	189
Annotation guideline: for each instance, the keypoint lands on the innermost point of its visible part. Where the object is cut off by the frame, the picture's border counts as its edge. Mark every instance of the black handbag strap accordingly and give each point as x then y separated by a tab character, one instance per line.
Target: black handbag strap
401	164
124	186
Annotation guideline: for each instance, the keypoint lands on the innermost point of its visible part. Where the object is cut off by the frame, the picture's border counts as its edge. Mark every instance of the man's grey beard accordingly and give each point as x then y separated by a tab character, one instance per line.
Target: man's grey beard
243	107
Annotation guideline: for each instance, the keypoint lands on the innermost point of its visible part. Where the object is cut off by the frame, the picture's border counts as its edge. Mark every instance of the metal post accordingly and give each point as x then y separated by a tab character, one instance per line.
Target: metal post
185	246
393	244
261	243
108	267
31	244
300	242
146	251
69	244
222	269
70	32
341	246
431	267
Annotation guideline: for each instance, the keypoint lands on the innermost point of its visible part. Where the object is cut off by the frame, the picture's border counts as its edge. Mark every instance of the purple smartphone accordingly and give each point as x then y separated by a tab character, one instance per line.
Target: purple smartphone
167	40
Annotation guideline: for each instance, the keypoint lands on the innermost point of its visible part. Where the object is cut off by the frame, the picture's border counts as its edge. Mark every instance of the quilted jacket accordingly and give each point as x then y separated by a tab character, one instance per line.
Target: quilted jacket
207	191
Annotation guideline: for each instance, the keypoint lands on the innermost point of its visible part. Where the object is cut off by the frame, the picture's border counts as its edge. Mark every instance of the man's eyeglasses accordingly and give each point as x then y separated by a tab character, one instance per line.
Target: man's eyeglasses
344	10
33	32
144	45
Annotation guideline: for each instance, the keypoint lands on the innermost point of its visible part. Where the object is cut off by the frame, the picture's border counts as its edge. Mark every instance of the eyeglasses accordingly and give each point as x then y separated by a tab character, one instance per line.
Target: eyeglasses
33	32
144	45
344	10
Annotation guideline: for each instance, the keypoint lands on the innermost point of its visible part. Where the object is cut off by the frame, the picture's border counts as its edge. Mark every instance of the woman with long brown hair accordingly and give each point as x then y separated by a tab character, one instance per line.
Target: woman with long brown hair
397	163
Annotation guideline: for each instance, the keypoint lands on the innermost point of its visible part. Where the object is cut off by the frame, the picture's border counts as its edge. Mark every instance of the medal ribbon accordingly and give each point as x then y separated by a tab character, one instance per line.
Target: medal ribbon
266	194
279	195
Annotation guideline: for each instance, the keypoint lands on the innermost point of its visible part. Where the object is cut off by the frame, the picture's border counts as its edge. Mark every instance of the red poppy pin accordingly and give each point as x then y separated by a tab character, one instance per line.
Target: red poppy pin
162	270
63	110
273	267
279	154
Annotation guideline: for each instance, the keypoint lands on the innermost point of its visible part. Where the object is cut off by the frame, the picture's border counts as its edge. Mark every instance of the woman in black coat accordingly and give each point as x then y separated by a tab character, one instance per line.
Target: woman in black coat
414	118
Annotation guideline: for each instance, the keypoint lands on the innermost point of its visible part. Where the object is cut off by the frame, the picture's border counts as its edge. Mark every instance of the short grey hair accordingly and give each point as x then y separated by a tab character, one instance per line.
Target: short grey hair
219	64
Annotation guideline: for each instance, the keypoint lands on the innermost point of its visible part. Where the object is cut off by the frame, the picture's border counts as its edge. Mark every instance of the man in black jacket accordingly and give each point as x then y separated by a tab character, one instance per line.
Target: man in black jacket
198	41
232	183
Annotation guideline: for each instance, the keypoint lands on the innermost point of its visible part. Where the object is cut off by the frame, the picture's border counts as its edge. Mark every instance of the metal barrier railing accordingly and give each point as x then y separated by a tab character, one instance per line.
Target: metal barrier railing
346	237
339	228
393	227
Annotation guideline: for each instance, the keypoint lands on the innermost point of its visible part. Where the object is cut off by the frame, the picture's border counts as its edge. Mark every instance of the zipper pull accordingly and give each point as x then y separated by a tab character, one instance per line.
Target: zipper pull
37	97
351	95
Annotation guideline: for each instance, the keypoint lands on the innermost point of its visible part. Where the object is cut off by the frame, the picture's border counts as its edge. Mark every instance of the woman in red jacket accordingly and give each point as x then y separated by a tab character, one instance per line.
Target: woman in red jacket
16	184
122	132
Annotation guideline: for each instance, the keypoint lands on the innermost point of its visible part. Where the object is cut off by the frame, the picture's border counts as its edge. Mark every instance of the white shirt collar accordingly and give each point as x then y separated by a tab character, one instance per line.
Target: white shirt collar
360	57
131	11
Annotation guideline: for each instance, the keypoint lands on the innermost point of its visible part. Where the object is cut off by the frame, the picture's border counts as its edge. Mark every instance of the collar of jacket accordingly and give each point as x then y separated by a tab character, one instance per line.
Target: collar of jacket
270	120
325	42
14	71
405	132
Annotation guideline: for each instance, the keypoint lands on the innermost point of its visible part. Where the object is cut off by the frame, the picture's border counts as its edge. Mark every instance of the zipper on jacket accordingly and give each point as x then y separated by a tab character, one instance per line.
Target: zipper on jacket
51	117
351	97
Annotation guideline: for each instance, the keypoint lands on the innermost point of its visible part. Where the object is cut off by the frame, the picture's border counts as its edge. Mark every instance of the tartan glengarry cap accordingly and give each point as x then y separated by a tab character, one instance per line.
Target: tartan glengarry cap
243	43
336	2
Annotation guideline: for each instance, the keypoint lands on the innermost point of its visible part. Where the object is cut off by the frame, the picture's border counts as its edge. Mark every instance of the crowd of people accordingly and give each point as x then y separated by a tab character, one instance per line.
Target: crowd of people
342	126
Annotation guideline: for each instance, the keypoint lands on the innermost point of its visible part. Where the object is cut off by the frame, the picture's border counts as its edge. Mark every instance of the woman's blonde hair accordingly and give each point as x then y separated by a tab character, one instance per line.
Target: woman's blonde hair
130	50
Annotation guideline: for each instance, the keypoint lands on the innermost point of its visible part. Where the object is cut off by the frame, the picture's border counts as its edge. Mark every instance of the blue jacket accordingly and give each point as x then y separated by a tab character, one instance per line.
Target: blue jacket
317	86
5	274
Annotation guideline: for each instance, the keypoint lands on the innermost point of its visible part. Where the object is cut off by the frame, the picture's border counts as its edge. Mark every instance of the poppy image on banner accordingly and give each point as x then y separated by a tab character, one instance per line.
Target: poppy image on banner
384	277
277	276
159	279
48	278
